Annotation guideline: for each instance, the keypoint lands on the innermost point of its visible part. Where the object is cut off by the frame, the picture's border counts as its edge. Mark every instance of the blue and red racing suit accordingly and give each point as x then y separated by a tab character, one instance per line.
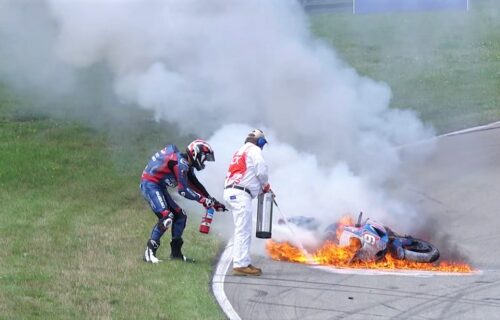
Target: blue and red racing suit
170	168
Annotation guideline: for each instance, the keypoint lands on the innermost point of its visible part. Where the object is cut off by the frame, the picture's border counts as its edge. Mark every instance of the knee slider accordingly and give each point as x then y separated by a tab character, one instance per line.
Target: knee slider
165	223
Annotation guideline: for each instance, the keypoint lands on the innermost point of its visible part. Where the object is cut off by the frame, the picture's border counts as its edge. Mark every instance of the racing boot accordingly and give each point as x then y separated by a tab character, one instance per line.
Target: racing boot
150	253
176	245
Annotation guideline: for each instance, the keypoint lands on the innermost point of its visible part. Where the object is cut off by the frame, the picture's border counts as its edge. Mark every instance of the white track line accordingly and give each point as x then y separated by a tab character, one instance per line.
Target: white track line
478	128
218	282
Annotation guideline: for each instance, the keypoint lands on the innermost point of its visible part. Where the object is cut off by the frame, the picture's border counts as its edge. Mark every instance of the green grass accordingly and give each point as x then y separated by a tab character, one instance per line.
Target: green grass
444	65
73	228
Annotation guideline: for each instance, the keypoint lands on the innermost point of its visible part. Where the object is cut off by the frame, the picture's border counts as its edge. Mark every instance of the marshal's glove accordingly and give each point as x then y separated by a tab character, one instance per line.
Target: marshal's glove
267	188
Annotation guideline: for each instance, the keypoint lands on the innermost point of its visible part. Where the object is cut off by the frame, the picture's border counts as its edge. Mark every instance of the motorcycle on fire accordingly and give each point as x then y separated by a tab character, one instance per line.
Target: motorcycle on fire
374	240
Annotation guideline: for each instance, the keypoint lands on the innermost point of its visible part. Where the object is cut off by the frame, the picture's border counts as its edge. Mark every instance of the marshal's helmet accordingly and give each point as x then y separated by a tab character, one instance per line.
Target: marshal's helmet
256	136
198	152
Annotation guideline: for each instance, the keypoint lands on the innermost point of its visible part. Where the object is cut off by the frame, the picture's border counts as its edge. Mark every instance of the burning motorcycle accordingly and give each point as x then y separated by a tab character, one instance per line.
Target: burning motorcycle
376	240
373	241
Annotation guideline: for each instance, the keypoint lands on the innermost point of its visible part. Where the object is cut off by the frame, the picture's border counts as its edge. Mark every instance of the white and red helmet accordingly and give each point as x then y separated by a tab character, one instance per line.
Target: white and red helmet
198	152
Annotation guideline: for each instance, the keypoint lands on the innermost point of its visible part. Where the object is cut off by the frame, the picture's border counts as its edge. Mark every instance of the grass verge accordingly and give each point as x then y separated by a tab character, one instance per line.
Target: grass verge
73	228
445	65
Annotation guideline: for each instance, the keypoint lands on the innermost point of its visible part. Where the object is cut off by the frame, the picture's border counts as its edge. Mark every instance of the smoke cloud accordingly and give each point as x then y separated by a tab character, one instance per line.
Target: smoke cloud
219	68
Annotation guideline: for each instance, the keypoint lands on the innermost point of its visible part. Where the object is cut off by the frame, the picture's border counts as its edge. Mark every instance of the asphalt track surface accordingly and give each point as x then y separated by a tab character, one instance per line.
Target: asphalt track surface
460	185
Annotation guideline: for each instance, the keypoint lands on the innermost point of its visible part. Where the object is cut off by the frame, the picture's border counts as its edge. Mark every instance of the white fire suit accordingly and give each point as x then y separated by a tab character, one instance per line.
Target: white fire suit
246	177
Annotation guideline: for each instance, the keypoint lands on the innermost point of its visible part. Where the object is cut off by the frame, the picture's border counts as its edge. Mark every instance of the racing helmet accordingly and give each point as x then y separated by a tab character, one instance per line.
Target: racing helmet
256	136
198	152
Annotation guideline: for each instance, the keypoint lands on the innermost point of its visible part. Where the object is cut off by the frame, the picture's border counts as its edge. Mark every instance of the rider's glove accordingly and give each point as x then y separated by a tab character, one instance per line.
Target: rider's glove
219	206
206	202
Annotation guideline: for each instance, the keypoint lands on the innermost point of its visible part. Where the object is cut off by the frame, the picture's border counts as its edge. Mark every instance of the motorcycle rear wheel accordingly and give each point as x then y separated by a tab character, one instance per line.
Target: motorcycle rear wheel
420	251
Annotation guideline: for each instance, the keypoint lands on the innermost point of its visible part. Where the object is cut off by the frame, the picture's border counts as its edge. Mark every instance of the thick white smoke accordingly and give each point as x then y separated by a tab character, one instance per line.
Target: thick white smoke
219	68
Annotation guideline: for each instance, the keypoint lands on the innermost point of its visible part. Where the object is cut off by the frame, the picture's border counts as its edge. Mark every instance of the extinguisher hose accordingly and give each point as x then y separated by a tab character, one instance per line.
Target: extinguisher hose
292	233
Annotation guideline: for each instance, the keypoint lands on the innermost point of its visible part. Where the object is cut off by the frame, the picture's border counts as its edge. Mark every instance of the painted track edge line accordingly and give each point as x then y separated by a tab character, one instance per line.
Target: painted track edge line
218	283
488	126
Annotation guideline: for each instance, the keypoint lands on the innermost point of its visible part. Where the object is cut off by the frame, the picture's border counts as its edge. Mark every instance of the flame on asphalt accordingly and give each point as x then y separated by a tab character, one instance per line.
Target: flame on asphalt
333	255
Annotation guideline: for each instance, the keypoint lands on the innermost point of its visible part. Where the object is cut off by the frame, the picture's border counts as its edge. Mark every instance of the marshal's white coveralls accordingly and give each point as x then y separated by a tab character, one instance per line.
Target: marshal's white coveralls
247	175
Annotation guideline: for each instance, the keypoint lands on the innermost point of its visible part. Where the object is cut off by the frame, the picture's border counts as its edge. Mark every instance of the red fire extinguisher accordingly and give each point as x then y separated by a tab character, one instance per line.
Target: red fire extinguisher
206	221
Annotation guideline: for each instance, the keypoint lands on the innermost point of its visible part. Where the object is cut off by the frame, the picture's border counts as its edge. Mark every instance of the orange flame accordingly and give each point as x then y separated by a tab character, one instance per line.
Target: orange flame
331	254
284	251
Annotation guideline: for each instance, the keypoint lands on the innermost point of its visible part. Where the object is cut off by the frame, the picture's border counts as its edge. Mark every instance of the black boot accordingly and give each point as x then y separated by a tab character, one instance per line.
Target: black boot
176	245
